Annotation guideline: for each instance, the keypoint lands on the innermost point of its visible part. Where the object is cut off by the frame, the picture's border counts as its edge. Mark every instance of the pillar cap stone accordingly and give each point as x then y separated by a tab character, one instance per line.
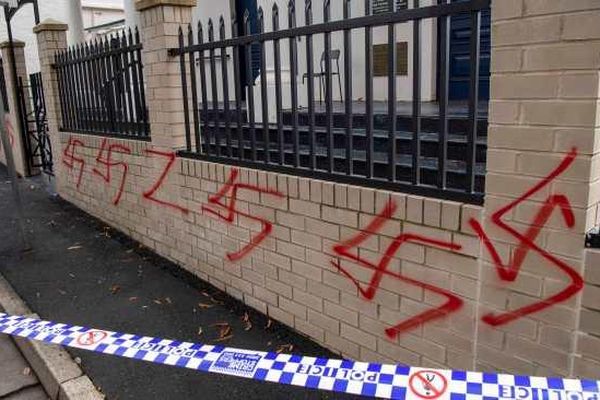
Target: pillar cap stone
50	24
141	5
16	43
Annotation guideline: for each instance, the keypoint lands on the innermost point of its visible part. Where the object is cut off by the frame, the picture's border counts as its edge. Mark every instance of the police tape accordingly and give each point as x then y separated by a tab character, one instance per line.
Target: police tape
344	376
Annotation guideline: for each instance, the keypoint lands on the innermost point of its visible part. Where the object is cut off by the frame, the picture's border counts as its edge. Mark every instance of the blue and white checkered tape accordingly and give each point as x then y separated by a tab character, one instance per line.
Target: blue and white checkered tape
361	378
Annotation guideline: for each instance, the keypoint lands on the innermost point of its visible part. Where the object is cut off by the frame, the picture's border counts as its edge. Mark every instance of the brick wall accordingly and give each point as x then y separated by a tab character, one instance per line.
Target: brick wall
382	276
289	276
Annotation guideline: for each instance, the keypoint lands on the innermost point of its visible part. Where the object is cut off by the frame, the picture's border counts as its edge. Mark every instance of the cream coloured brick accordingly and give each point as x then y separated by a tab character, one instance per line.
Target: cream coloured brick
526	31
310	330
525	86
346	347
328	193
422	346
556	338
292	307
544	355
292	279
360	304
507	9
414	209
563	56
503	111
303	188
292	190
340	216
341	313
306	239
451	262
590	321
278	260
323	291
305	208
279	287
280	315
316	191
521	138
592	269
541	7
323	321
367	200
341	195
432	210
589	346
448	338
579	85
354	198
358	336
581	26
560	113
506	59
450	218
399	354
307	270
265	295
585	368
503	361
324	229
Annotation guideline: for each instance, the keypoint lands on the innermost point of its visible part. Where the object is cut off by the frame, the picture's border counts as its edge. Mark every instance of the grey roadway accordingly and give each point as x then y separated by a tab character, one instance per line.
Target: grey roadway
81	273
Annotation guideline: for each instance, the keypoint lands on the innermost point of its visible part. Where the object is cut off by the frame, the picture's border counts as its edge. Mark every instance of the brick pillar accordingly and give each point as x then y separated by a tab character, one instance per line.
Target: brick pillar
160	22
13	114
544	103
52	38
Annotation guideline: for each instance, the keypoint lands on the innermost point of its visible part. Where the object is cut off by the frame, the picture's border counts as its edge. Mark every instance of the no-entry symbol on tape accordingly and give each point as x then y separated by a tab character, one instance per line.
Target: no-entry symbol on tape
91	338
428	384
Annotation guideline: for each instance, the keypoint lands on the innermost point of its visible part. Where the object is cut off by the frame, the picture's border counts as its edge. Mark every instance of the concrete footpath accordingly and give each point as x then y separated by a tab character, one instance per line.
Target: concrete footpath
82	272
17	379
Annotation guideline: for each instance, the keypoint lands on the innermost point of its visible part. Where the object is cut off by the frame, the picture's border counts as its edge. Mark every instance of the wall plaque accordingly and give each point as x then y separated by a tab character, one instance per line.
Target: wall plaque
380	59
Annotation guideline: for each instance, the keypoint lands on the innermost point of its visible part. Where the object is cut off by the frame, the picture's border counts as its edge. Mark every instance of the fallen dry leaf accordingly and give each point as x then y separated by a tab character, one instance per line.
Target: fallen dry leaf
224	329
62	292
200	331
133	298
269	324
247	322
27	371
205	294
205	306
168	300
223	338
75	247
114	289
219	302
284	347
157	301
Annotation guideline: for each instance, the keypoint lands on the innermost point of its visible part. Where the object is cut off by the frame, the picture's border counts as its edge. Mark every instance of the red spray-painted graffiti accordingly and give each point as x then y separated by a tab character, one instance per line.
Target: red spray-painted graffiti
453	302
109	163
510	271
70	158
149	194
232	188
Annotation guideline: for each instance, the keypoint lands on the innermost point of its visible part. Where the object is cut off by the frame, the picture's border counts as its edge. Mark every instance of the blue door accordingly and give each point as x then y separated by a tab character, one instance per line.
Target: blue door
460	35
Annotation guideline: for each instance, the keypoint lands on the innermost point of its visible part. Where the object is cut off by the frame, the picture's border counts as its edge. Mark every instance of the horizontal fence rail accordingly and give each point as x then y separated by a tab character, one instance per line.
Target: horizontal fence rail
271	117
101	87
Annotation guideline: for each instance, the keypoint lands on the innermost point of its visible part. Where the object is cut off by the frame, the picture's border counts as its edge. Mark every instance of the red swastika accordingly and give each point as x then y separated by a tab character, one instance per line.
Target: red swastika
109	163
380	269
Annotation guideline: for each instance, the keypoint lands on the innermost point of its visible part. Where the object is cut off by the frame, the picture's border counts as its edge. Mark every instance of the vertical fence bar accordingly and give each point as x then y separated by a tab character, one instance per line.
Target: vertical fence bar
194	89
140	74
416	101
238	88
136	90
126	70
114	45
205	131
444	26
473	99
82	116
250	85
348	89
278	101
186	114
225	87
86	87
103	91
310	87
215	93
369	91
264	101
109	75
93	89
328	88
294	82
392	96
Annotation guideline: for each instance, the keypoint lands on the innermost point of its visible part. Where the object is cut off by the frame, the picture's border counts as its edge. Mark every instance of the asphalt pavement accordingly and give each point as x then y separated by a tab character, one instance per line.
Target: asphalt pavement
82	272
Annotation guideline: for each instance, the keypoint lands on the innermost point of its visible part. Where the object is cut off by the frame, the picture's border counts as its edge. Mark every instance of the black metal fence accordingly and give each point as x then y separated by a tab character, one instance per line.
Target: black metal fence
440	154
101	87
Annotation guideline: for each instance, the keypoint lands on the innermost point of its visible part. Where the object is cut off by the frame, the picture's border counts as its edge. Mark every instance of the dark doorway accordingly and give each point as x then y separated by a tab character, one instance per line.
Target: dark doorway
240	9
460	59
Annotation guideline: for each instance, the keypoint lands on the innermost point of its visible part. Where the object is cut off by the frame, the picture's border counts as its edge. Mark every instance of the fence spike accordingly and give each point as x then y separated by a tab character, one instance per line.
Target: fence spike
308	6
211	30
261	19
291	7
137	35
222	27
275	17
200	33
